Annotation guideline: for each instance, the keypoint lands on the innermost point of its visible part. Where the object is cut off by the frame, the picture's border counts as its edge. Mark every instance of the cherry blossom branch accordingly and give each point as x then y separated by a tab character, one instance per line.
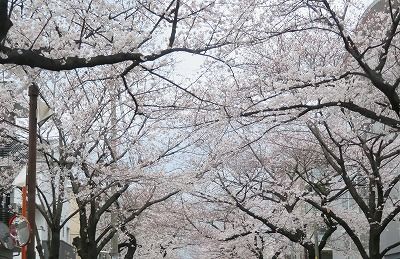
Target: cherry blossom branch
133	215
339	166
35	58
328	233
174	25
5	22
47	214
151	71
375	76
389	218
236	236
390	34
392	184
375	181
342	223
394	123
110	201
297	236
161	17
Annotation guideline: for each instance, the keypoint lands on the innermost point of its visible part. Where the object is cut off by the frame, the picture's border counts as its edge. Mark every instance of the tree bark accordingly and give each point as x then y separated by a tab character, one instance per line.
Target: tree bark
311	253
374	243
54	245
87	246
275	256
131	245
5	22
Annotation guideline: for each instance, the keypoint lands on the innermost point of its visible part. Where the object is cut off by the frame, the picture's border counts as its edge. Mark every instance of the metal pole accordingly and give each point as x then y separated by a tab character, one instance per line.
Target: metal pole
31	177
316	242
23	249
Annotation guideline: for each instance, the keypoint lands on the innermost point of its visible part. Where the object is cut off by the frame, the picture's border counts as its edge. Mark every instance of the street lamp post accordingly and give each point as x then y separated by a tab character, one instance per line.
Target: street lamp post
31	172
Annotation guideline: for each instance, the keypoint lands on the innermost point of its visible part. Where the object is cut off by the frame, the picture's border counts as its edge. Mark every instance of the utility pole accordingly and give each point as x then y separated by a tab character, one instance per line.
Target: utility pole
31	172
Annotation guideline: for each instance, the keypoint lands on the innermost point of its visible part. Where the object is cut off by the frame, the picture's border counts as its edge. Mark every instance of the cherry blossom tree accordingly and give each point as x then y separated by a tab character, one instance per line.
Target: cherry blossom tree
108	68
320	174
224	231
322	179
101	144
325	54
81	34
109	45
366	164
109	148
334	67
252	198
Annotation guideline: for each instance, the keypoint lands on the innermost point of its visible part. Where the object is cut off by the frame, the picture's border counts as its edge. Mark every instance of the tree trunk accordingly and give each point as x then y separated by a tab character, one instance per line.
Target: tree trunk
88	247
131	244
54	244
311	253
88	250
275	256
131	251
88	244
374	243
85	244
